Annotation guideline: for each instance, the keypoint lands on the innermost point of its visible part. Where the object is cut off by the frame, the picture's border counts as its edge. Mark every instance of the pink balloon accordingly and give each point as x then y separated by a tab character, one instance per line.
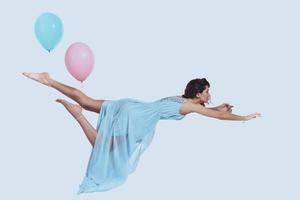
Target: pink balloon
79	60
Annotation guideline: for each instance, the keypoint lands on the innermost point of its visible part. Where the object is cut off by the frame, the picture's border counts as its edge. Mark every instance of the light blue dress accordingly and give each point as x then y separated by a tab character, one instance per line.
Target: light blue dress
125	129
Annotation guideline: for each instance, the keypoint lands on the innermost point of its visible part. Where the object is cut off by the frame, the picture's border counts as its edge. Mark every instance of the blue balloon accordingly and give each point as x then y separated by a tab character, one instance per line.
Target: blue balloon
48	30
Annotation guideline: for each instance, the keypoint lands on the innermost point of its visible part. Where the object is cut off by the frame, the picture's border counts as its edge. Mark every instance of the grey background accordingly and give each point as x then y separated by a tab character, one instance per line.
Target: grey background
248	50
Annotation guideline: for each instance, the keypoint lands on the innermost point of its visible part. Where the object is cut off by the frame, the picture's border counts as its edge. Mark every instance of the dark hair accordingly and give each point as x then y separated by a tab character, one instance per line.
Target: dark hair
194	86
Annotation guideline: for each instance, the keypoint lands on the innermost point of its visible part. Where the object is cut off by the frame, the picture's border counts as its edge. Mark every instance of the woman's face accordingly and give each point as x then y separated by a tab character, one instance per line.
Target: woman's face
204	97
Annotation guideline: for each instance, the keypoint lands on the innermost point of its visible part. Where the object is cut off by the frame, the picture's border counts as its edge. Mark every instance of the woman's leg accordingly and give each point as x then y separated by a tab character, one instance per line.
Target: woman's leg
86	102
76	112
88	129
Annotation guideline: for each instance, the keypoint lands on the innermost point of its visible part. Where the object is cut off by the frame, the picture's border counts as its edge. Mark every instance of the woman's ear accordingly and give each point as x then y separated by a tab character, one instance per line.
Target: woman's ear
198	95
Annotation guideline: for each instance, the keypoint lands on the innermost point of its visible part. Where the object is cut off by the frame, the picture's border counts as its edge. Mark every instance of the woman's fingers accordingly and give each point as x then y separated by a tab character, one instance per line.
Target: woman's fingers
258	114
253	115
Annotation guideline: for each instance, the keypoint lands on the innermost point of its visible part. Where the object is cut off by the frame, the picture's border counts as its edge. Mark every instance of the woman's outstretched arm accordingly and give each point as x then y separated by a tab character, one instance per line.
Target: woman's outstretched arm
221	115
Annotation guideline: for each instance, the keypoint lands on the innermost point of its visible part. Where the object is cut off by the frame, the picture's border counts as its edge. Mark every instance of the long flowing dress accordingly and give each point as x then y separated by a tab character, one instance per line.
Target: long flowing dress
125	128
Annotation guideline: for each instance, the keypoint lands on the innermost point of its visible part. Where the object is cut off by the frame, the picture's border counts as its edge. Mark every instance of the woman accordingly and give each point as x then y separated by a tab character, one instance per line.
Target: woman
126	126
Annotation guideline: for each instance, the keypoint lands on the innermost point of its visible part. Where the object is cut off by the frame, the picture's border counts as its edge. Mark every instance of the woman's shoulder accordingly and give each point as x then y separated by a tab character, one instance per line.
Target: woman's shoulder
188	106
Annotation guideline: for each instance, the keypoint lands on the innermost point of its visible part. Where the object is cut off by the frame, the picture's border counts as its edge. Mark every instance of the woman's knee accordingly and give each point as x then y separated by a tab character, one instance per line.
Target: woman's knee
91	104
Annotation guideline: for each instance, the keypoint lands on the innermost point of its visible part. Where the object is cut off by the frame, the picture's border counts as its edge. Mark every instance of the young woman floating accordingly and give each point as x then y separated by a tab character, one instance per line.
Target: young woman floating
126	126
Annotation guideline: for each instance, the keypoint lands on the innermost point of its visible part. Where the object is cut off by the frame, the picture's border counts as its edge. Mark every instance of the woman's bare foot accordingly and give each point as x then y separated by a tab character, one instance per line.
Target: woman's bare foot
43	77
75	110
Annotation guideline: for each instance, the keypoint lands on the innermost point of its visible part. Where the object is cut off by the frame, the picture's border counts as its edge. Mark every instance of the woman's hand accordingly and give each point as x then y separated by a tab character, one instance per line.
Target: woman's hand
252	116
225	107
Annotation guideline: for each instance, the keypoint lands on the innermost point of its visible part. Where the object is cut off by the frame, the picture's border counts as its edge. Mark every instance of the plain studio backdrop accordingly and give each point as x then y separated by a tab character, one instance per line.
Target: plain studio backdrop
247	50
